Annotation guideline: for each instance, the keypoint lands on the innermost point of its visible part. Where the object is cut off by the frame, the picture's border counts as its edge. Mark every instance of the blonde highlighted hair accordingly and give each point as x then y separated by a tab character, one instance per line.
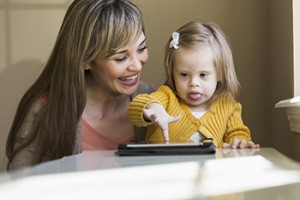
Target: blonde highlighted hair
91	29
197	33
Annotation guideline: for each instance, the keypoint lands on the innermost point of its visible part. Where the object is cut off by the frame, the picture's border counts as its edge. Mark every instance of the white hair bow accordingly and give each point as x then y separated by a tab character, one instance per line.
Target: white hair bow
175	40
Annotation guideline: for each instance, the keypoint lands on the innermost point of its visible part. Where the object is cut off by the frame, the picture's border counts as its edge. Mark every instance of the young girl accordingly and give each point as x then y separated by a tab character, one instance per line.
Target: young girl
200	97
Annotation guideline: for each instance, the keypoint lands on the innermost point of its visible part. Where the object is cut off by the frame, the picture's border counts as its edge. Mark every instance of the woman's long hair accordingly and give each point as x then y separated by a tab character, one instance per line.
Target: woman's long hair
91	29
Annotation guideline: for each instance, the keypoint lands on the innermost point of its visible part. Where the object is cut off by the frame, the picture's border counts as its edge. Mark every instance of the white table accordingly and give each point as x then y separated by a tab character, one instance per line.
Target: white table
234	174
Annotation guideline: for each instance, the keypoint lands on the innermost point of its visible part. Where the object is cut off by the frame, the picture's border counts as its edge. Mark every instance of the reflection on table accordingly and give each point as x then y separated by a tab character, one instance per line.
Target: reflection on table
229	174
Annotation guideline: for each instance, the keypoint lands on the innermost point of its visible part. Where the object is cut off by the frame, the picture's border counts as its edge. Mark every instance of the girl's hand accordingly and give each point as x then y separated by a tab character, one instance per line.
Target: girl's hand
157	113
236	143
228	153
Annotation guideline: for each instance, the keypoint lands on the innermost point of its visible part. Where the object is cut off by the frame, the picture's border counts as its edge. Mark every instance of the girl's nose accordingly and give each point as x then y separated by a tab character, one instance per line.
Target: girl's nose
194	82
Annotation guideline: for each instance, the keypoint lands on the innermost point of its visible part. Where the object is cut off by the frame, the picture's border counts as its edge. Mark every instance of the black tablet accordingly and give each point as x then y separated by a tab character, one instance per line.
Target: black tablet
166	149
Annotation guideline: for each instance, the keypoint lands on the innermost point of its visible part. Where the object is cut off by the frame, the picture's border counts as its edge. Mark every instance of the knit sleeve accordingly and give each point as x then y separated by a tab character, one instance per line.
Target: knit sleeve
235	126
141	101
136	106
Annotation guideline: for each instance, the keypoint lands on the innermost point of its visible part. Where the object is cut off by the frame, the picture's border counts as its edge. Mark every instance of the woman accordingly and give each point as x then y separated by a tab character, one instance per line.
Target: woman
80	100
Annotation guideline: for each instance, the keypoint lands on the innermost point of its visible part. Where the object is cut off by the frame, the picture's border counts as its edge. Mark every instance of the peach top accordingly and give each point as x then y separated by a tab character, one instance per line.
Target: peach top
93	140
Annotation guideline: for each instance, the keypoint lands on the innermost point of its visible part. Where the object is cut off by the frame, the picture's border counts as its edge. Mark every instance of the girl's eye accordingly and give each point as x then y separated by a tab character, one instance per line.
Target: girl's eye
183	74
203	75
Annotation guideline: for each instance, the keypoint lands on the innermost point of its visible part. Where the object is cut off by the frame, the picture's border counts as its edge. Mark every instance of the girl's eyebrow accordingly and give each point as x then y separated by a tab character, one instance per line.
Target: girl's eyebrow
124	51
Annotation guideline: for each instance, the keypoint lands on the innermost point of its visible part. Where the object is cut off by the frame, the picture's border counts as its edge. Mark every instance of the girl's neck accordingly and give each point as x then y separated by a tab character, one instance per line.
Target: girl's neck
201	108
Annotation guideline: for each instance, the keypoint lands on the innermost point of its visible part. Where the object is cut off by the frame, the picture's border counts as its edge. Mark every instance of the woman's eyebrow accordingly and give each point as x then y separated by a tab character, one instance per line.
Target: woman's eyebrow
142	42
120	52
124	51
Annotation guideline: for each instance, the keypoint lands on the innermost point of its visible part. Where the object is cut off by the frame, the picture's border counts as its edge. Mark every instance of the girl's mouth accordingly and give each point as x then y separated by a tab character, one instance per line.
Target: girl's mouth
195	96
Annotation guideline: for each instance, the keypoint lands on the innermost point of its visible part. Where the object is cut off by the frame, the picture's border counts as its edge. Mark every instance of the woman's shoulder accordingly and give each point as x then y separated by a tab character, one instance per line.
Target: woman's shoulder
38	105
144	88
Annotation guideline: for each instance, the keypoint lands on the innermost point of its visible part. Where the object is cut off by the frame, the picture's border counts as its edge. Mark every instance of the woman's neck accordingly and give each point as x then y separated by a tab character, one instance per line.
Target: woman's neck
104	103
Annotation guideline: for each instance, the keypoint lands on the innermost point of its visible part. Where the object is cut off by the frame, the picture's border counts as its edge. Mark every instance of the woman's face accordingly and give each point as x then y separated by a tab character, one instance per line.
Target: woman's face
120	73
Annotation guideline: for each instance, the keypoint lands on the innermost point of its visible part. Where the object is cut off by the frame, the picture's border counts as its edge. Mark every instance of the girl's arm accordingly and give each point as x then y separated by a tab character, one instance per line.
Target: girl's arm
237	134
146	109
156	113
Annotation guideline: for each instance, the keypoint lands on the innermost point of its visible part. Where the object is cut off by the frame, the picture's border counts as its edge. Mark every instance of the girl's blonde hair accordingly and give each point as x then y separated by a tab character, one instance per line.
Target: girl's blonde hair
197	33
91	29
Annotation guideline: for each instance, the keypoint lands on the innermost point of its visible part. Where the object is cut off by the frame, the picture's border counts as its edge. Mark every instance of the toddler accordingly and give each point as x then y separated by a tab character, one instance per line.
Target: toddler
200	97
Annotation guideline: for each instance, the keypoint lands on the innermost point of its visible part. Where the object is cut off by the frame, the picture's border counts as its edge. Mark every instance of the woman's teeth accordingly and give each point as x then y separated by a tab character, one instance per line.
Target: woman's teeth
128	78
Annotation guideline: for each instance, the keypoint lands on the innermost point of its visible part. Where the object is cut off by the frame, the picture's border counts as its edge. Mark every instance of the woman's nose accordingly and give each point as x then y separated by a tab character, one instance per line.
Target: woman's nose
136	64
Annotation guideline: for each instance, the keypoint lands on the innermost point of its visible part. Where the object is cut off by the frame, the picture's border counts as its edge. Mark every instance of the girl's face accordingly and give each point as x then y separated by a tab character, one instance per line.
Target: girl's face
195	77
120	73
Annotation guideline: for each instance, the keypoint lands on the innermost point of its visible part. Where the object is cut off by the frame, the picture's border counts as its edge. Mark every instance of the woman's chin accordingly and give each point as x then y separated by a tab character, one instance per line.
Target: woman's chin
129	89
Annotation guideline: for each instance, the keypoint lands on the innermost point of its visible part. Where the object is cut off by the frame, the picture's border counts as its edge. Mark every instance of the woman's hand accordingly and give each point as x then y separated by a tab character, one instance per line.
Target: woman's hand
236	143
155	112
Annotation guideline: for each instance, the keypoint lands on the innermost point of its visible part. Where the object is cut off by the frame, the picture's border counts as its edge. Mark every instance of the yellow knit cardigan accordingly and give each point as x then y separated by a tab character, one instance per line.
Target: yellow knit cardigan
222	122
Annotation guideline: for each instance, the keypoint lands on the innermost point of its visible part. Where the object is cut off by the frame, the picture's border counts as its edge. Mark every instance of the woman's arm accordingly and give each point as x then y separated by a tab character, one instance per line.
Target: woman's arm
25	156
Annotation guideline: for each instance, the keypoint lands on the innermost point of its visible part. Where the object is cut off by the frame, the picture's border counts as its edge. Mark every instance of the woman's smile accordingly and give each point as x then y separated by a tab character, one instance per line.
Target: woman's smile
129	80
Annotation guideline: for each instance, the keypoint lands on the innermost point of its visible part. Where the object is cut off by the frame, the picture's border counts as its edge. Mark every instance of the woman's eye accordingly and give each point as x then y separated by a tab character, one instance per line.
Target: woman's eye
142	49
120	58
